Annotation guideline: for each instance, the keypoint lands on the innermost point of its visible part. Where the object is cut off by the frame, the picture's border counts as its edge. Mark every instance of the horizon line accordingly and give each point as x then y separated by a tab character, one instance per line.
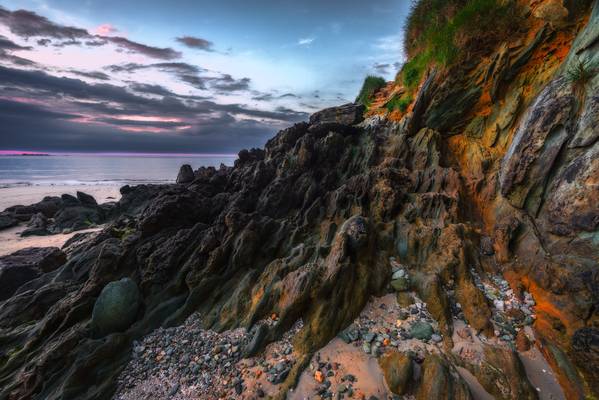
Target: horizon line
112	153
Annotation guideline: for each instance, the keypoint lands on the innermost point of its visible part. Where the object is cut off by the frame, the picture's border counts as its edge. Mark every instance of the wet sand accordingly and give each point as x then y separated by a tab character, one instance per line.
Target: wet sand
11	241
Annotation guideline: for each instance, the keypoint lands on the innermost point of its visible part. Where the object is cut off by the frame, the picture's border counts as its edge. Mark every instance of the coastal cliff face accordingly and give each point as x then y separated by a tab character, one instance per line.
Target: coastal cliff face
489	171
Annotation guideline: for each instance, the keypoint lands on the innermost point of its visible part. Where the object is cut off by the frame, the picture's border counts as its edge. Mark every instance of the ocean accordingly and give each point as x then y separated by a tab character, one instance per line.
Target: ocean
100	169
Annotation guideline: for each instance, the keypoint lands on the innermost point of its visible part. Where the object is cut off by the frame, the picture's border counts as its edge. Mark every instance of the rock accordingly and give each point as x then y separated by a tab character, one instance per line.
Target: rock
116	307
256	343
86	199
397	369
522	341
421	330
27	264
585	352
401	284
535	147
7	221
185	174
438	383
552	11
347	114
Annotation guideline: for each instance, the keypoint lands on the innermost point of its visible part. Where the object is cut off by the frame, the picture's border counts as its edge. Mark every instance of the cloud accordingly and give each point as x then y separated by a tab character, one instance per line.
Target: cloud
105	30
7	44
100	101
306	41
196	43
165	53
382	68
28	24
226	83
43	42
271	97
91	74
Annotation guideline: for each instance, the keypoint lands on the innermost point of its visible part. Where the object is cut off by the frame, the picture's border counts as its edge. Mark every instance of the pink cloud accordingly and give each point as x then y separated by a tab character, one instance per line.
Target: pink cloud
105	30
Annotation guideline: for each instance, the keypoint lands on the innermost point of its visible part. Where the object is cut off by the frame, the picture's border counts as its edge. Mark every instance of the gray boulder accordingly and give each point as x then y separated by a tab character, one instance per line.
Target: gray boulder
116	307
185	174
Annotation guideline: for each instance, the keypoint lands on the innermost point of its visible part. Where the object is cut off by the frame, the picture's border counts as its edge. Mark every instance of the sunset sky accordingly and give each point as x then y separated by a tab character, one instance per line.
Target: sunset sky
182	76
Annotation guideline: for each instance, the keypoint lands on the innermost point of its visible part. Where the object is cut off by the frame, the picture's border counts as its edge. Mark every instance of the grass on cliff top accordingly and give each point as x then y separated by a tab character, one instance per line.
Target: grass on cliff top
399	103
371	85
448	31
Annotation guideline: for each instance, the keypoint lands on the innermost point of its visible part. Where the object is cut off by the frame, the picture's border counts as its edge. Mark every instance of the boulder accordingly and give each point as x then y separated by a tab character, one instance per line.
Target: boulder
397	368
116	307
421	330
86	199
185	174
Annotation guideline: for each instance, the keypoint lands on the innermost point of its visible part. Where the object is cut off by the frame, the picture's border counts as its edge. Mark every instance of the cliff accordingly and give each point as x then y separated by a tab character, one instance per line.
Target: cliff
474	168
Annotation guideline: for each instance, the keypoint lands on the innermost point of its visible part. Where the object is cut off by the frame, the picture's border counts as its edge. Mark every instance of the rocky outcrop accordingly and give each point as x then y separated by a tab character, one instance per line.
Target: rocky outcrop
26	265
490	173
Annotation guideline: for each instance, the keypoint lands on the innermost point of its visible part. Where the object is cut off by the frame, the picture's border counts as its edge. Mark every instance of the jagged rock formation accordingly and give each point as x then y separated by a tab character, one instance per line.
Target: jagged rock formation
490	171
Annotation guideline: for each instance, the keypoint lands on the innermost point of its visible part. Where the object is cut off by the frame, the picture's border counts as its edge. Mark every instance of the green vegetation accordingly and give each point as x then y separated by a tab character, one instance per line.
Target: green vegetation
580	73
448	31
399	103
371	85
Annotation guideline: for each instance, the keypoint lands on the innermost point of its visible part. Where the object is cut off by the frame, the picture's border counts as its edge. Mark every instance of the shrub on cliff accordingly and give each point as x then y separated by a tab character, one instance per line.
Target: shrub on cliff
448	31
371	85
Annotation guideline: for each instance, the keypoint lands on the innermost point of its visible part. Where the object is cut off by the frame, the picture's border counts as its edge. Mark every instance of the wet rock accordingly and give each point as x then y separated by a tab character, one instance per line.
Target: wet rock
116	307
438	383
397	369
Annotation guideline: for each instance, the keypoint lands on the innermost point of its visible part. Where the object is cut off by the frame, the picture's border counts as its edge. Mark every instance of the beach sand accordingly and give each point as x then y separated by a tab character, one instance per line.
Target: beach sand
25	195
11	241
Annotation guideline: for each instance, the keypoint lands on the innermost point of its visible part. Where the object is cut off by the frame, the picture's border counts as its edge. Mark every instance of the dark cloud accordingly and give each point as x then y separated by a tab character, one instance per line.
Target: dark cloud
7	44
150	89
96	43
91	74
271	97
16	60
165	53
28	24
382	68
43	42
102	103
184	72
67	43
196	43
15	109
226	83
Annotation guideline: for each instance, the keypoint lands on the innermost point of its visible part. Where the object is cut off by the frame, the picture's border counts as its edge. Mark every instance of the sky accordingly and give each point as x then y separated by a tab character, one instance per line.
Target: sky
186	76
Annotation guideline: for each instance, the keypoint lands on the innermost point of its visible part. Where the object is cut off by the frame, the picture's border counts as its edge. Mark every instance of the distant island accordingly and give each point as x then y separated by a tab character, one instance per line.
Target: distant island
23	153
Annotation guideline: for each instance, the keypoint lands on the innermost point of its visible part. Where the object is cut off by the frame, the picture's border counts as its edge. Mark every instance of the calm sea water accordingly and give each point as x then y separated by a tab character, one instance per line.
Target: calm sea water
99	169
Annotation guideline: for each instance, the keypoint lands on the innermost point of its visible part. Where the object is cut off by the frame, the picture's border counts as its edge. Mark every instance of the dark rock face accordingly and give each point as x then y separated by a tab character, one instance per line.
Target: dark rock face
348	114
185	174
25	265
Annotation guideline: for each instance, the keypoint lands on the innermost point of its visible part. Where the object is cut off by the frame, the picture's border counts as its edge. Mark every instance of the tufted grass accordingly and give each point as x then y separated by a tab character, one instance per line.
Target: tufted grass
371	85
446	32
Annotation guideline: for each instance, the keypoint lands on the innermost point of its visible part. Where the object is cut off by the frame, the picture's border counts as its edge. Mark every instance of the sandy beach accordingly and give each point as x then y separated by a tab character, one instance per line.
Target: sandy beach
11	240
25	195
